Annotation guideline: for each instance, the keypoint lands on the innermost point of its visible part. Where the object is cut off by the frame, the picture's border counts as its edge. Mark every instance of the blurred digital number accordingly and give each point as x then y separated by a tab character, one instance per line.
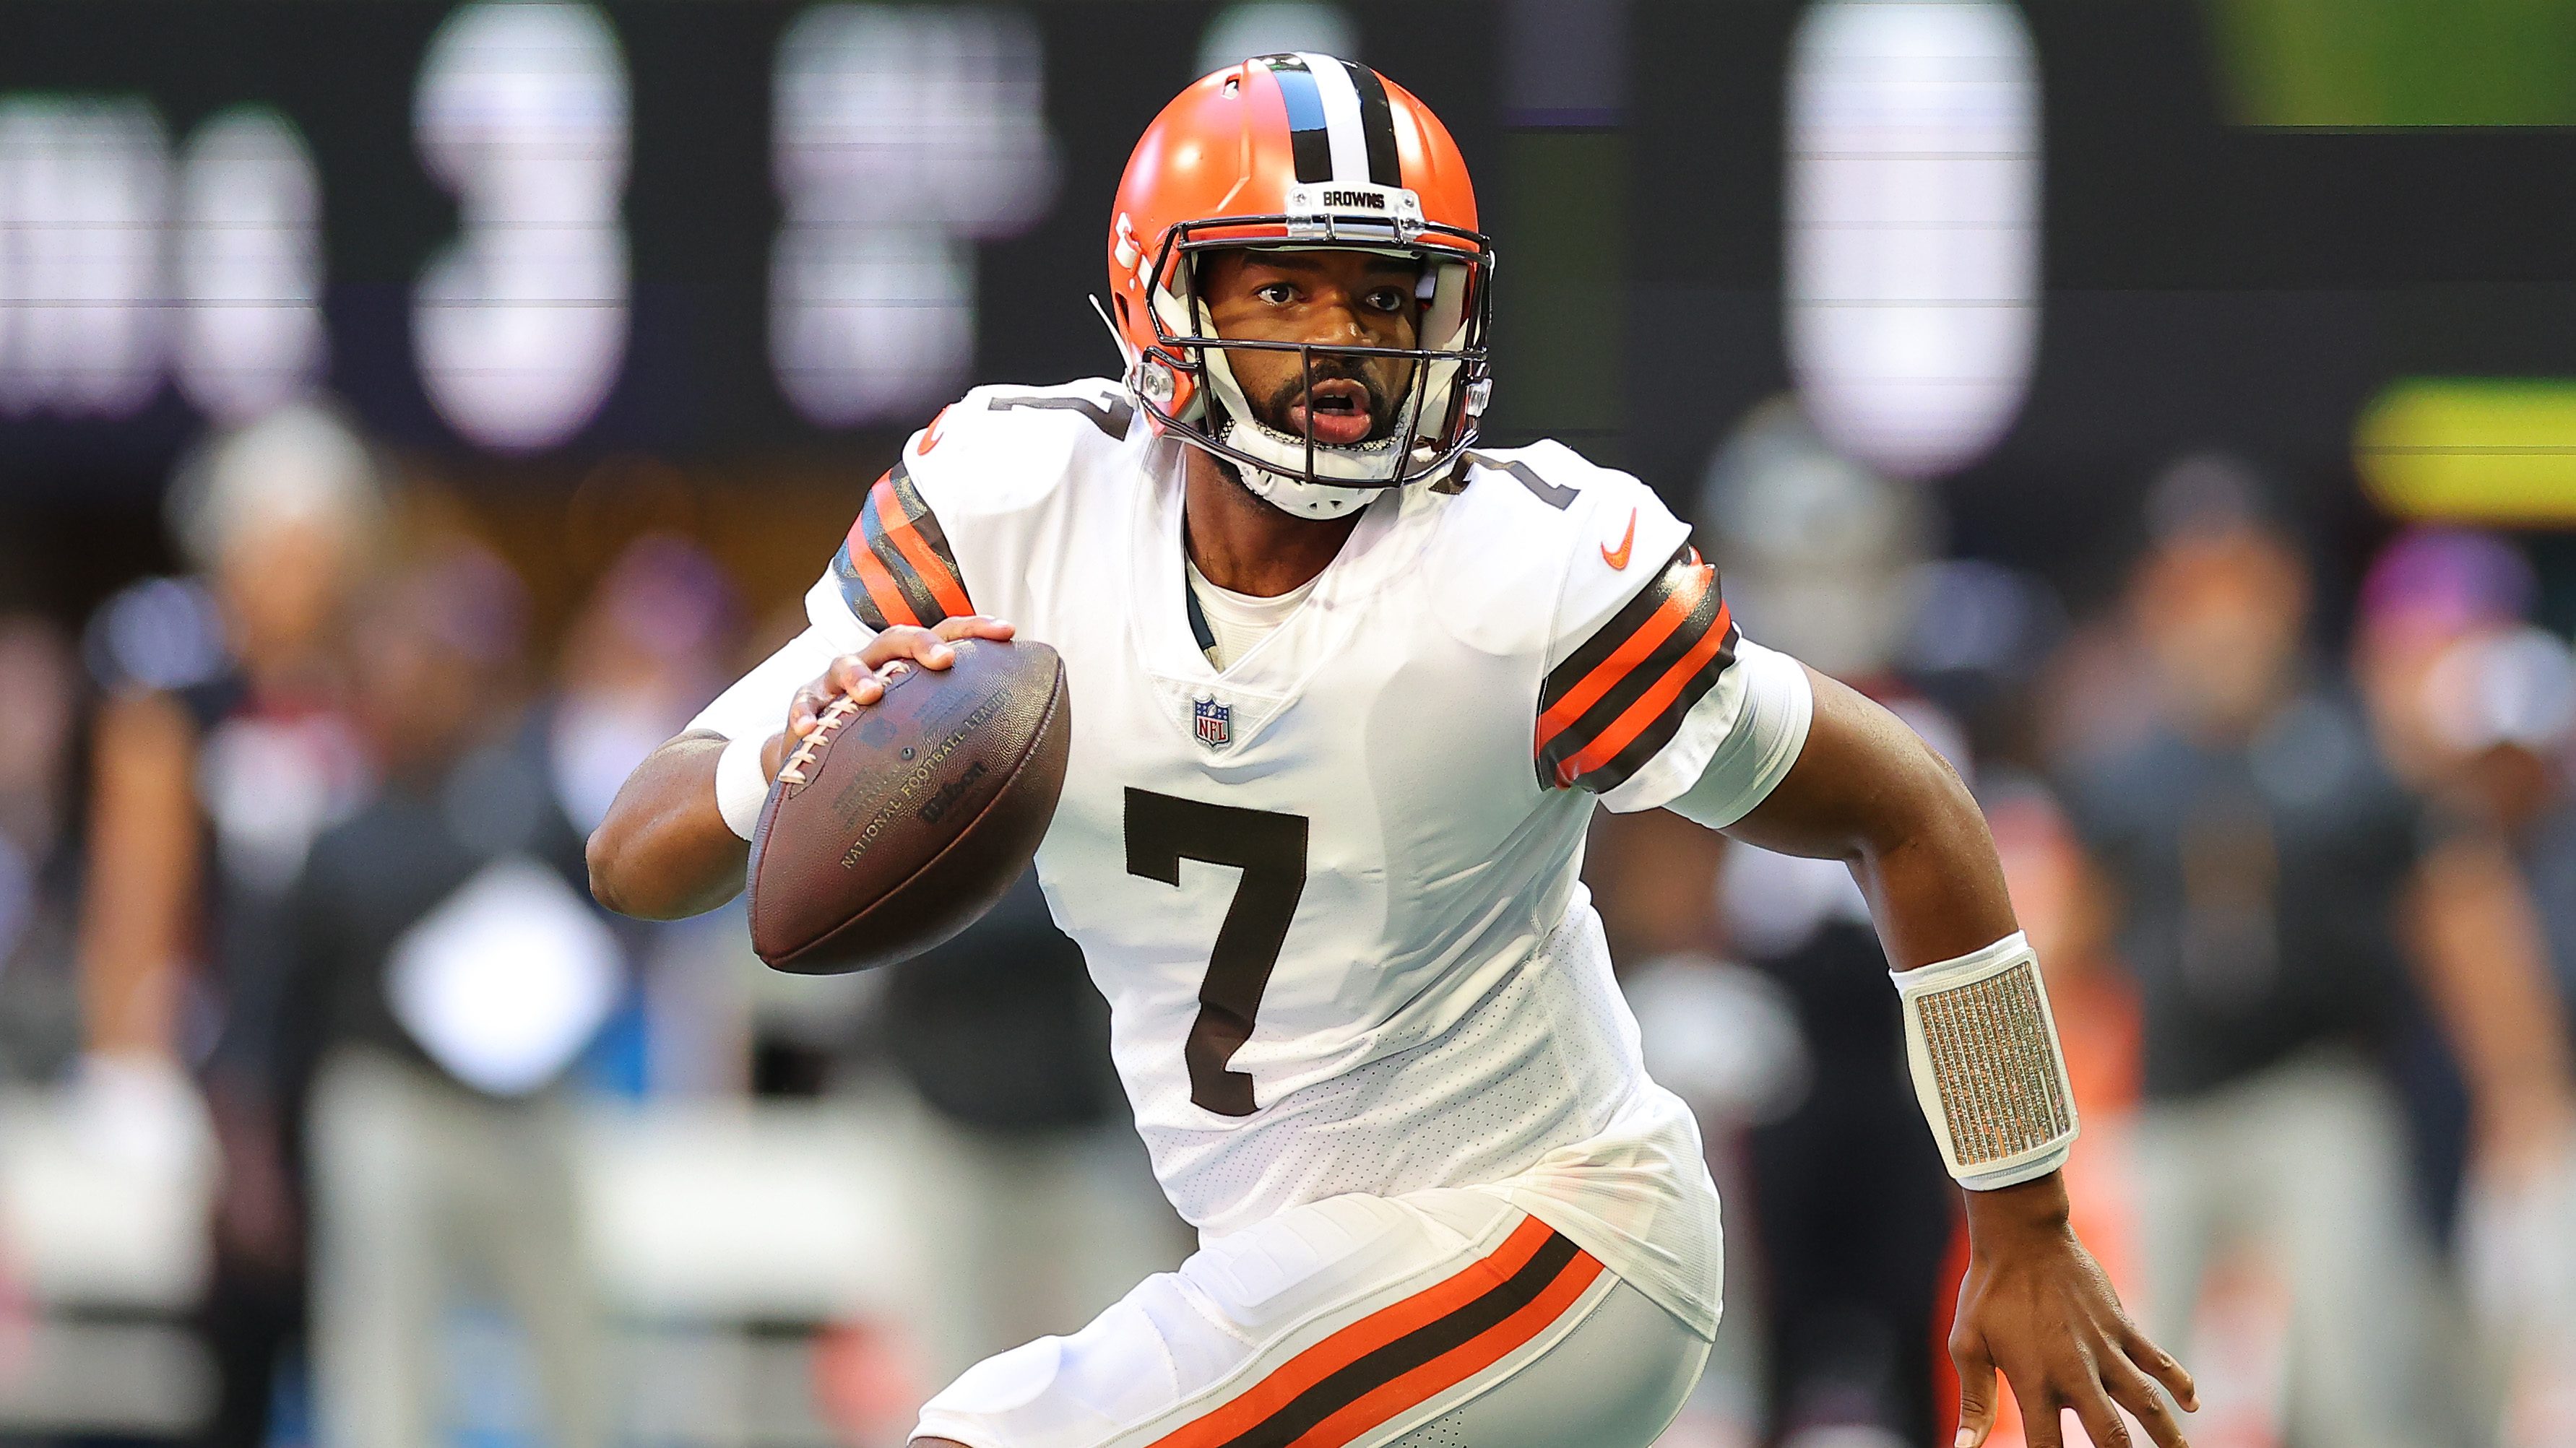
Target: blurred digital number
903	135
114	267
1913	230
249	264
84	193
519	324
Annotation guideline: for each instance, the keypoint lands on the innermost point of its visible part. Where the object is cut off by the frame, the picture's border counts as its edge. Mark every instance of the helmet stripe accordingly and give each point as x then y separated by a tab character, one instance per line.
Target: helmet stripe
1377	125
1341	100
1308	133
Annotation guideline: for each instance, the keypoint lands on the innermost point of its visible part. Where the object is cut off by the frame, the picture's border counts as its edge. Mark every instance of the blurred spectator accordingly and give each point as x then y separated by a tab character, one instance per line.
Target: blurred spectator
2505	704
220	752
646	651
2270	876
2502	704
653	641
39	1022
459	969
2427	590
1852	1209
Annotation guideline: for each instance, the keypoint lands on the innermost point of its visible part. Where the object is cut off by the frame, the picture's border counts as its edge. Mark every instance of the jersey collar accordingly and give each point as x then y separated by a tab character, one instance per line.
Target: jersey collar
1261	684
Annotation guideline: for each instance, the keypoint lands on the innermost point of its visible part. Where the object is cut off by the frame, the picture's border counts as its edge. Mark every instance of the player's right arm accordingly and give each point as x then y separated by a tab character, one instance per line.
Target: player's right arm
678	836
667	848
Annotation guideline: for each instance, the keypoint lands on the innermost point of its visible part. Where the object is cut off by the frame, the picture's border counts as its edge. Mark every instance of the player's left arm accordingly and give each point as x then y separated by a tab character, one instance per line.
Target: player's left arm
1651	697
1866	790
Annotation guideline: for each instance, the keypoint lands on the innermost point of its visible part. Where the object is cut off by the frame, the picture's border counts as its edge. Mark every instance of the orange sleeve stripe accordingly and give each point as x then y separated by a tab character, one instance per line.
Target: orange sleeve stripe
1360	1339
1458	1364
873	576
926	565
1641	644
1651	704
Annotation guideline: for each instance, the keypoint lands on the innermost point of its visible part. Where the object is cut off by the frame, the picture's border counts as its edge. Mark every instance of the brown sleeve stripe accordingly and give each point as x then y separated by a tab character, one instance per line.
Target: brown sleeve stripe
918	540
896	566
1405	1354
1622	696
870	591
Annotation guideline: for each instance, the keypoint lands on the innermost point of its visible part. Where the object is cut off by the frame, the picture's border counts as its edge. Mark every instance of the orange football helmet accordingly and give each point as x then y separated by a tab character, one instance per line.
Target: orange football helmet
1300	151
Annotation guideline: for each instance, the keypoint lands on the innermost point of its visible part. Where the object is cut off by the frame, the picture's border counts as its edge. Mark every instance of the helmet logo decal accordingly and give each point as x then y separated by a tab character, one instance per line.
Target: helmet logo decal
1127	251
1130	254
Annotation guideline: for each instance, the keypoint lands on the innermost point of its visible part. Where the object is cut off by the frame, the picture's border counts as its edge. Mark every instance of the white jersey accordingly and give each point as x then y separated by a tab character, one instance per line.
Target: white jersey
1331	891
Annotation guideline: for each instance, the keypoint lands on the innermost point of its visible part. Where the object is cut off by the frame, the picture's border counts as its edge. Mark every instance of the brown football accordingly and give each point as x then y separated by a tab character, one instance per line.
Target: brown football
890	828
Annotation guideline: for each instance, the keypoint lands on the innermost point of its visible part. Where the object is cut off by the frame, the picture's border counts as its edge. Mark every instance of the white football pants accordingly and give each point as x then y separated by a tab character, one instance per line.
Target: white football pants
1429	1320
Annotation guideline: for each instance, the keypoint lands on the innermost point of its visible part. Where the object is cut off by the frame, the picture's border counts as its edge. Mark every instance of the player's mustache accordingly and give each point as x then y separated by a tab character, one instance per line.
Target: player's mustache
1381	407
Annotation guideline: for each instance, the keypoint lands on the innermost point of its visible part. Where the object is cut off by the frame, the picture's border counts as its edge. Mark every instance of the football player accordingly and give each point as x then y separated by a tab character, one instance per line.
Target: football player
1347	689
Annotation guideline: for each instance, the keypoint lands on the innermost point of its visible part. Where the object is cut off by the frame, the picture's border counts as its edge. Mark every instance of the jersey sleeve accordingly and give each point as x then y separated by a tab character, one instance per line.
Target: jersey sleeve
1758	715
1651	692
949	529
896	565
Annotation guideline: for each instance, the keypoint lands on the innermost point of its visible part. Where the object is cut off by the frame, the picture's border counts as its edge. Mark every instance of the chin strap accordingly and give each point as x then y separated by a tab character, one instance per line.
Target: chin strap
1986	1063
1290	495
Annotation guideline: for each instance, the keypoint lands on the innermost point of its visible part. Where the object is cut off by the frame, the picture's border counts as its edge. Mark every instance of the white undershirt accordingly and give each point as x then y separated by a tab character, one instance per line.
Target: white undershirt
1241	620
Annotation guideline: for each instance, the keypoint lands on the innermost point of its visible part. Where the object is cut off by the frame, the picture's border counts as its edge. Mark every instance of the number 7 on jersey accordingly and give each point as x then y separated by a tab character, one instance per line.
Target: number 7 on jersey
1270	849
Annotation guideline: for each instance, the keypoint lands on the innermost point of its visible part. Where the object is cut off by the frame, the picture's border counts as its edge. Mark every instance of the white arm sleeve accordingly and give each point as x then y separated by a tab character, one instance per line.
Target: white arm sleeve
753	709
1759	714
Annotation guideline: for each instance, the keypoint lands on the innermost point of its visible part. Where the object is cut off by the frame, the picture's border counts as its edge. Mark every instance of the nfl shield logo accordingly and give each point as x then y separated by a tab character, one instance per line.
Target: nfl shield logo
1214	722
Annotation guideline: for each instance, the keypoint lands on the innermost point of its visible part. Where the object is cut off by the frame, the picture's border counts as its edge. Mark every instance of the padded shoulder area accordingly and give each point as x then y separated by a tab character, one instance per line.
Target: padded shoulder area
1538	530
1004	449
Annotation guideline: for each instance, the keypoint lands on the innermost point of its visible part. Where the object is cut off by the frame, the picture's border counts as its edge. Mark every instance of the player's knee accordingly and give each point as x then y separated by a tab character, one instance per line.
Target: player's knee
935	1443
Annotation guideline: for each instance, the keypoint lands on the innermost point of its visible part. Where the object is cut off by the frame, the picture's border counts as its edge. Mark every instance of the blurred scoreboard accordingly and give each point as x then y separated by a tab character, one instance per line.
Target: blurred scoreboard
523	230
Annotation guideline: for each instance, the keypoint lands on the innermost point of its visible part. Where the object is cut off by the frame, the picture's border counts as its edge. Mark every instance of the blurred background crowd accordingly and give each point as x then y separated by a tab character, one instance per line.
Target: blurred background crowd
412	412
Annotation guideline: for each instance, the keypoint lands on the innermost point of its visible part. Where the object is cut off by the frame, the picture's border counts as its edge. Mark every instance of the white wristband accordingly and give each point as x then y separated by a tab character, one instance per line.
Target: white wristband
1987	1068
742	786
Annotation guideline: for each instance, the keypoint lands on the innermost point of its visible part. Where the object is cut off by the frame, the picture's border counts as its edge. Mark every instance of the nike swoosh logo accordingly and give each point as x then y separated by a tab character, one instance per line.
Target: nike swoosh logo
1618	558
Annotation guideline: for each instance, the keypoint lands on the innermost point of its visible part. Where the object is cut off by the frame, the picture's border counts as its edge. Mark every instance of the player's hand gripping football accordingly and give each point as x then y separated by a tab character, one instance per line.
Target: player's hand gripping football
861	677
2037	1305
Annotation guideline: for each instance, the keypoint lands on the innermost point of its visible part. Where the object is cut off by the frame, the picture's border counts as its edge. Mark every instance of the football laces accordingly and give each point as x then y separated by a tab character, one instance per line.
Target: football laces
793	771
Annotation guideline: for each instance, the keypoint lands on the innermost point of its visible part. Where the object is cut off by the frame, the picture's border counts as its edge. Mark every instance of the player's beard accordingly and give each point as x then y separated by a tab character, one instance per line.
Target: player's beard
1273	412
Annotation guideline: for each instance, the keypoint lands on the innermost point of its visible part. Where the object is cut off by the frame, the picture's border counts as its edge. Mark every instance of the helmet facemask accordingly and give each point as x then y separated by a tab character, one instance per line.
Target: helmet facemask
1433	421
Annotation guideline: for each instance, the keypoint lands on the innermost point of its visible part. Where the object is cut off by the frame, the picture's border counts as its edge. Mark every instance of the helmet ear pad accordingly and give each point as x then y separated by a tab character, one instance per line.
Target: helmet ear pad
1447	321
